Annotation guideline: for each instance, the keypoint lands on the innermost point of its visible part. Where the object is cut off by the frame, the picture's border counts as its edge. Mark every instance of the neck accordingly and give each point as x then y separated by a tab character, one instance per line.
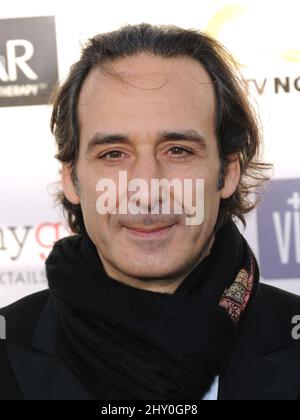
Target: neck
168	286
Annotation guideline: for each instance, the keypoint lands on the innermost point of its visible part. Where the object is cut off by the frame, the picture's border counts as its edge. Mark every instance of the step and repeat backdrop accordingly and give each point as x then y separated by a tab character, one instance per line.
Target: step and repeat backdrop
39	42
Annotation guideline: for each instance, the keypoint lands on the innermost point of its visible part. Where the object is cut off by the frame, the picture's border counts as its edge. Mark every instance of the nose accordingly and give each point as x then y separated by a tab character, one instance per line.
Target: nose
146	168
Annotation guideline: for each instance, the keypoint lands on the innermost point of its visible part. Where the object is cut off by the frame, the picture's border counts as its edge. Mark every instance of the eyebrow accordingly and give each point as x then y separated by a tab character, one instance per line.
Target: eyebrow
102	139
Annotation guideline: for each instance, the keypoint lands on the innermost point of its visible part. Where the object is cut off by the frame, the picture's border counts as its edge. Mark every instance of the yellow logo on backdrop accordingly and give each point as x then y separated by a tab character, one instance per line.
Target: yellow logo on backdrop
292	56
233	12
223	16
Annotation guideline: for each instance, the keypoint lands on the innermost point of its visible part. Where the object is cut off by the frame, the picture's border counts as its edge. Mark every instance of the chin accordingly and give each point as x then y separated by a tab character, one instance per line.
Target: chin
150	272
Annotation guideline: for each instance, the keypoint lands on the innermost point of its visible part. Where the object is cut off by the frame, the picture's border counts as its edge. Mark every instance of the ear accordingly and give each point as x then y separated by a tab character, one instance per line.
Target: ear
232	178
68	184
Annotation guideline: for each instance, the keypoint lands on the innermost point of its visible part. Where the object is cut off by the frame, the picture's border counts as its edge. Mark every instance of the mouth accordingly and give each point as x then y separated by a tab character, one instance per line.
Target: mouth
151	233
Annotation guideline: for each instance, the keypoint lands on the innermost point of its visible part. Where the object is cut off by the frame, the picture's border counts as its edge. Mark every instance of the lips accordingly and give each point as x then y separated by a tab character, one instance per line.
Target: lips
156	232
149	230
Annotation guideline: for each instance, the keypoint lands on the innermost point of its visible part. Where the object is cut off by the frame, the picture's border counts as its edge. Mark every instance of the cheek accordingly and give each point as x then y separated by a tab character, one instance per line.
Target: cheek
89	177
211	194
88	194
89	198
210	176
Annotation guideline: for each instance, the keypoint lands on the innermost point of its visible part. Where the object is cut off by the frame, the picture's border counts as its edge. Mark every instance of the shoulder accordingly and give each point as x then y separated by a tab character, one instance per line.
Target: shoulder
282	302
9	389
21	317
284	306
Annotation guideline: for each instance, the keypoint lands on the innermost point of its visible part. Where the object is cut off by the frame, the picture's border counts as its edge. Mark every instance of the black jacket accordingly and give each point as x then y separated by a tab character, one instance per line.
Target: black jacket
265	364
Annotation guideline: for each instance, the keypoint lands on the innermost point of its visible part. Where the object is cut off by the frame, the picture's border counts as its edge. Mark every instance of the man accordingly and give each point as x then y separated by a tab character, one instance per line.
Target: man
148	304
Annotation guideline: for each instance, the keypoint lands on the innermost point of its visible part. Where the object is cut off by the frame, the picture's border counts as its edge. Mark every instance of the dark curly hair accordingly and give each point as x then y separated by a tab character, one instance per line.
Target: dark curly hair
237	128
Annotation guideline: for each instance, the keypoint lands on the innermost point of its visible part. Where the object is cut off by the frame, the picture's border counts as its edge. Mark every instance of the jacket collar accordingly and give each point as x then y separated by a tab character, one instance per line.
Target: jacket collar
263	364
40	373
254	373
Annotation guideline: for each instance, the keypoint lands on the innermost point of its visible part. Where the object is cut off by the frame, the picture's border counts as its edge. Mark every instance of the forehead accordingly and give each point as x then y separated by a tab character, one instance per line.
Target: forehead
147	90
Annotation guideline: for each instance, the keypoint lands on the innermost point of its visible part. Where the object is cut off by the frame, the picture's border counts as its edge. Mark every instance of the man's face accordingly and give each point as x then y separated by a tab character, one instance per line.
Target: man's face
159	115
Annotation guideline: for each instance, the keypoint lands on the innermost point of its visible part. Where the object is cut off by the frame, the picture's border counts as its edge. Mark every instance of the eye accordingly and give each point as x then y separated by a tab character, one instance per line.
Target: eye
112	155
180	151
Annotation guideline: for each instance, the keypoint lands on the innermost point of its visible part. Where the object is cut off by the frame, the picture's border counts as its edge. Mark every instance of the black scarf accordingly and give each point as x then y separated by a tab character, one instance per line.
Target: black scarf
125	343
